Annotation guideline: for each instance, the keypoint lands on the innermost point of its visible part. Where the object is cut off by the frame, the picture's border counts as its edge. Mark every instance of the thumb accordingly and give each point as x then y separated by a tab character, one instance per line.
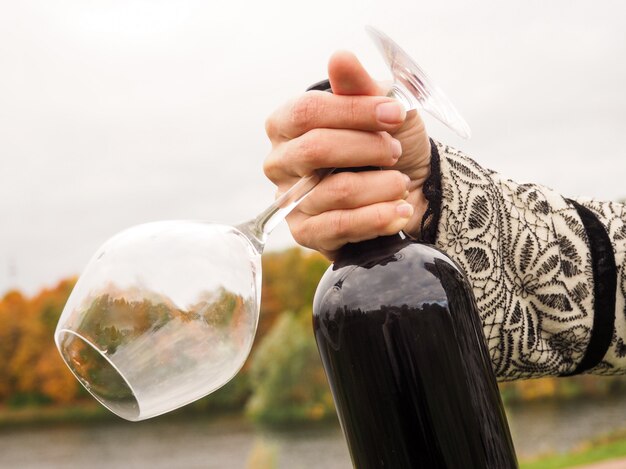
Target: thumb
348	77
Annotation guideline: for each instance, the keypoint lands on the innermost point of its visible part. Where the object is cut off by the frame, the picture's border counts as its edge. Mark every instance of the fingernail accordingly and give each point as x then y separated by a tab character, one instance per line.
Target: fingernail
407	180
391	112
396	148
404	210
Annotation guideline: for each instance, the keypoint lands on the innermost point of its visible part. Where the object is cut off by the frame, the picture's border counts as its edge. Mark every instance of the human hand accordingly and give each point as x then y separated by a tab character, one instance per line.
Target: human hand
354	126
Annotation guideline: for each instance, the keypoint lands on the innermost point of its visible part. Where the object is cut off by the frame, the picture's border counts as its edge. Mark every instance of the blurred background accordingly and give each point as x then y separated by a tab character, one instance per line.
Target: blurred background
114	113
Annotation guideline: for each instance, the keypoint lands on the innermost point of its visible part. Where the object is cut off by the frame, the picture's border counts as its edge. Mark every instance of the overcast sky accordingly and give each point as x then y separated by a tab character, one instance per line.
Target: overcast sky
114	113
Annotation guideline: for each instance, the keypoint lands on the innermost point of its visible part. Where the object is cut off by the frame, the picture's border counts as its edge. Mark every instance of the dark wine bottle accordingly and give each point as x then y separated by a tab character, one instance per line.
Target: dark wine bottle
404	352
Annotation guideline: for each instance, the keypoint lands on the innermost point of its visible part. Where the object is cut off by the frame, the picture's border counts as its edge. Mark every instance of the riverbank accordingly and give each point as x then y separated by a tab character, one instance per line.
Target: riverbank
568	433
91	413
48	415
605	448
612	464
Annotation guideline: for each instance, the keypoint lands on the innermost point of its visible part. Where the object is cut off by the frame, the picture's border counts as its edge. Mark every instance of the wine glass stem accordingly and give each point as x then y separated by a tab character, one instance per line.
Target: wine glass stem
258	229
399	92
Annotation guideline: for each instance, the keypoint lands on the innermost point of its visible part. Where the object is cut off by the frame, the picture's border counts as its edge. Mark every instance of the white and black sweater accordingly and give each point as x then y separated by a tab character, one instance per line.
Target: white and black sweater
547	272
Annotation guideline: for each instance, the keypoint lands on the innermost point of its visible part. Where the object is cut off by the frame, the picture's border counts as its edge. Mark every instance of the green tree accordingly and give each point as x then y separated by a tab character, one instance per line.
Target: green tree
287	376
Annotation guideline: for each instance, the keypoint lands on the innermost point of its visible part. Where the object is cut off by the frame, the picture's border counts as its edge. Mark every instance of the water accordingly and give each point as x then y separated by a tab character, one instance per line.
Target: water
227	444
220	444
558	428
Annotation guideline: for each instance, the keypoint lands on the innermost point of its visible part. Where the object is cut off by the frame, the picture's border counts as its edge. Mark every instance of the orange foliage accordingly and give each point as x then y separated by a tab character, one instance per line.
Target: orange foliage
535	389
29	362
289	282
12	311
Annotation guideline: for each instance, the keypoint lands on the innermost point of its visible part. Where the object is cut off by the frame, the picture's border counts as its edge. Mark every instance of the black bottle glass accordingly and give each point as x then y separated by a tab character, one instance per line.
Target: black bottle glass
404	352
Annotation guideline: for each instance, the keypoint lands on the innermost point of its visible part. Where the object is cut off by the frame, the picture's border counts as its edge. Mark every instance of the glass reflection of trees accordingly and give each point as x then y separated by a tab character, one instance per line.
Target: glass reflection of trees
111	322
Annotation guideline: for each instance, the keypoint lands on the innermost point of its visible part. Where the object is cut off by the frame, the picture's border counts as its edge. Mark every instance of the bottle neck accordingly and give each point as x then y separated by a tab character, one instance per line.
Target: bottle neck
364	252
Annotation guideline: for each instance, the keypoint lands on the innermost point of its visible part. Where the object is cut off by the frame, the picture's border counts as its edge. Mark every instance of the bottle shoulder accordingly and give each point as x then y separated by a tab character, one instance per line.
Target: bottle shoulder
395	273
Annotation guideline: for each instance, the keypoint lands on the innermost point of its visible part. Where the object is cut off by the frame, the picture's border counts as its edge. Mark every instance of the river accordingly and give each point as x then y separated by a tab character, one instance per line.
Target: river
226	443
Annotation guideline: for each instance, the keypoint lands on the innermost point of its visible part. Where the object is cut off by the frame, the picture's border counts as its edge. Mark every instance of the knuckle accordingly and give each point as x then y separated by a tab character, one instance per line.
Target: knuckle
352	109
398	181
306	109
271	127
271	167
340	224
342	187
300	234
309	147
380	219
384	144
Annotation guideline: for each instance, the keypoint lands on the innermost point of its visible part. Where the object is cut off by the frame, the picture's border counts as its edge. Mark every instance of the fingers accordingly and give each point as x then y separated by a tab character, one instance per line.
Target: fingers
330	148
348	77
319	109
353	126
357	103
330	230
351	207
353	190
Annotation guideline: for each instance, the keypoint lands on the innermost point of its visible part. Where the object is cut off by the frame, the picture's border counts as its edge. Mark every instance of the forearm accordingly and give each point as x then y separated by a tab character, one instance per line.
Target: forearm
528	256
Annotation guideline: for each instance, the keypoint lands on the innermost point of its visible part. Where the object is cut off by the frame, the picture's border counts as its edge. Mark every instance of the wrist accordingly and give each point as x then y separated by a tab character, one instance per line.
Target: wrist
430	199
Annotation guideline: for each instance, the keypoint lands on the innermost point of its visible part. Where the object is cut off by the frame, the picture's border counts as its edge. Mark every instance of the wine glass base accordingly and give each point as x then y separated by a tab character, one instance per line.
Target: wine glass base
412	85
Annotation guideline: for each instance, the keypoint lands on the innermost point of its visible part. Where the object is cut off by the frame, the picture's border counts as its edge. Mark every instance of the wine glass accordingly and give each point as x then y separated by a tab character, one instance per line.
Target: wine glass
166	312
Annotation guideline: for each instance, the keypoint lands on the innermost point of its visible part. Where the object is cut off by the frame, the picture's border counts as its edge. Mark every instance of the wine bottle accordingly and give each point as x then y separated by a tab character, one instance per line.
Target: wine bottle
402	345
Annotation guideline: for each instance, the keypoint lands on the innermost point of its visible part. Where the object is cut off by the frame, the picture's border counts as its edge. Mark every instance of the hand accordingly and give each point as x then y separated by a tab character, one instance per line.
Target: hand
354	126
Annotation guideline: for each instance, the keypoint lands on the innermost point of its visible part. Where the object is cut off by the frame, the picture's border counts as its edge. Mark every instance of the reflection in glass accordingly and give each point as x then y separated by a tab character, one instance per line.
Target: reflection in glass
139	351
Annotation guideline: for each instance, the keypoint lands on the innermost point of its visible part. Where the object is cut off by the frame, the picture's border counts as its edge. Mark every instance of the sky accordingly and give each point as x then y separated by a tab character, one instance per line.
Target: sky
115	113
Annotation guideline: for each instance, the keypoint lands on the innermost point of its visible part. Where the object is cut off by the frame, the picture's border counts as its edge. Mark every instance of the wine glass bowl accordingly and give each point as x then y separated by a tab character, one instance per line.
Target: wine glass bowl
163	314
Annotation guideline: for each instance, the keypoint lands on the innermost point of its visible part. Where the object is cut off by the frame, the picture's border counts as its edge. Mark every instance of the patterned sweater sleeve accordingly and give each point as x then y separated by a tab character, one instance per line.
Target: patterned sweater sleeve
547	272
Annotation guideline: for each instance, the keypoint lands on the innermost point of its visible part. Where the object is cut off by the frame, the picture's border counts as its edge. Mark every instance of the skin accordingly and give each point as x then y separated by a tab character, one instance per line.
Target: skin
355	126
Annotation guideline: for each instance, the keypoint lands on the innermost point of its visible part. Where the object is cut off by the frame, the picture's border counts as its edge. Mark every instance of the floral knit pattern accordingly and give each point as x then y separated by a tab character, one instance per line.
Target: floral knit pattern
526	254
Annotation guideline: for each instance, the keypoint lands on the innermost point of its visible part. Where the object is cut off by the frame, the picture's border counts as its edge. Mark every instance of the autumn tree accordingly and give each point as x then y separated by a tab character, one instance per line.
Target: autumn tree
290	279
33	363
287	375
12	312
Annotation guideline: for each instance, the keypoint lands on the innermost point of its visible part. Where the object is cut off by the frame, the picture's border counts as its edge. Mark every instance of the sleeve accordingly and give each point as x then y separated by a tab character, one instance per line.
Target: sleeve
547	272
